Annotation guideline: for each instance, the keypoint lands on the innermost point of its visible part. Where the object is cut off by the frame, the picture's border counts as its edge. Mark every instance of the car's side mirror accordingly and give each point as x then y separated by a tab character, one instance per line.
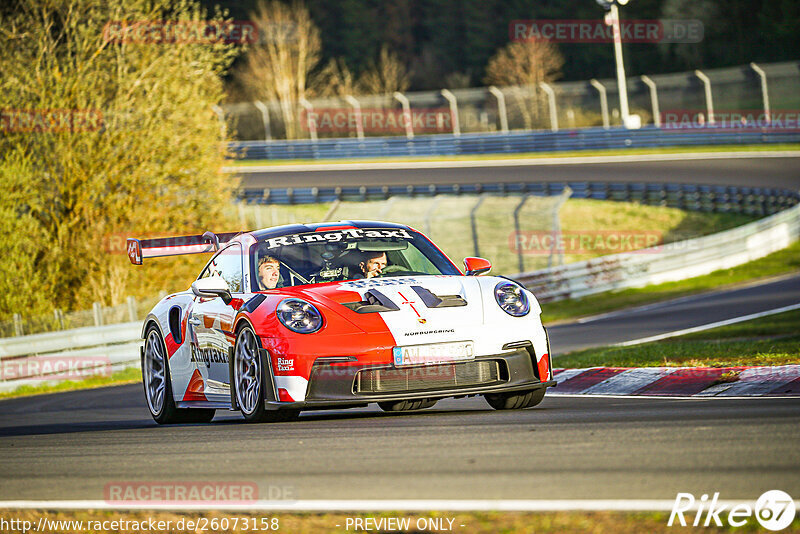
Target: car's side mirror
476	266
211	287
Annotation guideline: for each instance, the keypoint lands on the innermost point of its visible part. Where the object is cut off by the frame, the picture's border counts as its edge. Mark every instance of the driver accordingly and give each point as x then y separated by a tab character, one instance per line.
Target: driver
373	264
269	272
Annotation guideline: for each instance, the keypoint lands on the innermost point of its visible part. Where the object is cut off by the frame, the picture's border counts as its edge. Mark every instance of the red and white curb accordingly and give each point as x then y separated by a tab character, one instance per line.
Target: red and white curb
779	381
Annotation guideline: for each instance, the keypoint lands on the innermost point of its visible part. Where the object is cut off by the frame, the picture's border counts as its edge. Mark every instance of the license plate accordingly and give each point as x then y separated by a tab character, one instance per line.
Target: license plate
433	353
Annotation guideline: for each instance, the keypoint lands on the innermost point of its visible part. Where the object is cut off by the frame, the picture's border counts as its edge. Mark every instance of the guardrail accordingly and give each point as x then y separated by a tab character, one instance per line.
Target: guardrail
676	261
68	354
510	143
749	200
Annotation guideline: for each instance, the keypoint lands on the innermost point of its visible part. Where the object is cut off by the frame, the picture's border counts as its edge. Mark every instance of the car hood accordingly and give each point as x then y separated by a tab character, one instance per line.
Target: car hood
416	309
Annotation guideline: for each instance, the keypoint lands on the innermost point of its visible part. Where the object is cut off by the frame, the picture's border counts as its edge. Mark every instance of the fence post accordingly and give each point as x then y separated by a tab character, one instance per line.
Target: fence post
653	99
132	308
764	93
310	121
18	331
501	107
603	101
97	309
474	225
221	117
563	197
429	214
400	97
520	259
709	98
59	317
357	108
551	98
264	119
451	98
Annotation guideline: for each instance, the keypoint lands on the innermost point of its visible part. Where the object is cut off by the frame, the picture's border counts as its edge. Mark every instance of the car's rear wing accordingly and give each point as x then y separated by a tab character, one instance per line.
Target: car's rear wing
139	249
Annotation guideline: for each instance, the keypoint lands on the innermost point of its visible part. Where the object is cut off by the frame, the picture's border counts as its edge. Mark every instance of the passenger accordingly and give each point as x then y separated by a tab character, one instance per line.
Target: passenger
269	272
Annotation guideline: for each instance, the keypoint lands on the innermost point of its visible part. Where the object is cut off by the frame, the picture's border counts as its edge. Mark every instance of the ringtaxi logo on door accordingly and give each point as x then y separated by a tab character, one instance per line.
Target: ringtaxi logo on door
774	510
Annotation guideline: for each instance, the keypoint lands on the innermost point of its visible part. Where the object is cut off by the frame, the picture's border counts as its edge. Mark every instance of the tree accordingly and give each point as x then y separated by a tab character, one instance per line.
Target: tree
525	65
106	134
384	76
278	66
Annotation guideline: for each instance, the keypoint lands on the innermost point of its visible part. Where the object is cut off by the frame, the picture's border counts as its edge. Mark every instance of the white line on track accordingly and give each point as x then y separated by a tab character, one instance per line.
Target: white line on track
621	505
508	162
707	326
680	300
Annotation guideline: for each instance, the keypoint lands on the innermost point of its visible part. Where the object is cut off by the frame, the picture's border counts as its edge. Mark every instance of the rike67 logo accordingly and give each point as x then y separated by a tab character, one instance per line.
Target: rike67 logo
774	510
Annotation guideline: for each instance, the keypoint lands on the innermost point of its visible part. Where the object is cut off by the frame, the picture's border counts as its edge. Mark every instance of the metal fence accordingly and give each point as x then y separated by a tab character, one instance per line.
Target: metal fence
584	104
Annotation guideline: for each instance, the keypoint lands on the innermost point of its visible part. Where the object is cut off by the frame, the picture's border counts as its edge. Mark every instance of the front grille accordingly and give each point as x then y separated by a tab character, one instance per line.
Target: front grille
429	377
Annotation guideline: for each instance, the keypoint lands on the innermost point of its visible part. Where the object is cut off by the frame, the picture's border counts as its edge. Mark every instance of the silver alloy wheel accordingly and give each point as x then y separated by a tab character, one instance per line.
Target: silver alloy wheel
247	371
154	375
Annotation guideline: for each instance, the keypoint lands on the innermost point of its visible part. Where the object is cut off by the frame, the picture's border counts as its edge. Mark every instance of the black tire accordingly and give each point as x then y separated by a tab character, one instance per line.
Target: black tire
249	365
515	401
165	412
406	405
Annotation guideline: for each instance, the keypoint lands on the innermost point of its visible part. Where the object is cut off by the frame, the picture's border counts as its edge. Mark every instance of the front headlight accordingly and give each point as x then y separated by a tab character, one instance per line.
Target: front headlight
299	316
512	299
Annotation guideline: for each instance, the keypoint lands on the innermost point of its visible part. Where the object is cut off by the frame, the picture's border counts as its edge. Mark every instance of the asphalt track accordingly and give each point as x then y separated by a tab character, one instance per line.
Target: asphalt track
72	445
781	172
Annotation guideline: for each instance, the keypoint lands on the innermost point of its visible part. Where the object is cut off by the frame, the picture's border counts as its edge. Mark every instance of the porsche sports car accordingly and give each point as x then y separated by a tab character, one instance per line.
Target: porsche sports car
336	315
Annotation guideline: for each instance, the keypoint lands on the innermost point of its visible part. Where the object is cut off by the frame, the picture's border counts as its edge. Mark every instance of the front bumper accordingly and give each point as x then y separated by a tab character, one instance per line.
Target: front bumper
338	385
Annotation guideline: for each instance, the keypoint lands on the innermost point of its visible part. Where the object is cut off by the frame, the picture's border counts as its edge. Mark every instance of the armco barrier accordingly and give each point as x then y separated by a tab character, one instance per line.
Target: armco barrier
749	200
115	345
510	143
676	261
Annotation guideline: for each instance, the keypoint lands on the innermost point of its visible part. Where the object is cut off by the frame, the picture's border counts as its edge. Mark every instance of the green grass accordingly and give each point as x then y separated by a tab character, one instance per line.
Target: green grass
771	340
534	155
130	375
781	262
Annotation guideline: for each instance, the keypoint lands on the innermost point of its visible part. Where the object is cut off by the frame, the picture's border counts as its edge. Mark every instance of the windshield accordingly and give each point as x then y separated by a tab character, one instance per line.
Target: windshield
344	254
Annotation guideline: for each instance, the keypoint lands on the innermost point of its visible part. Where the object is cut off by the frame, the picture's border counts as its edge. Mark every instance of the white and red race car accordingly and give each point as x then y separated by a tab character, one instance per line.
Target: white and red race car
336	315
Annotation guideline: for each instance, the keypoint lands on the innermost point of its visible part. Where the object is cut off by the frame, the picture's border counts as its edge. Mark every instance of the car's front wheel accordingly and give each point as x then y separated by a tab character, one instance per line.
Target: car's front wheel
515	401
158	386
249	366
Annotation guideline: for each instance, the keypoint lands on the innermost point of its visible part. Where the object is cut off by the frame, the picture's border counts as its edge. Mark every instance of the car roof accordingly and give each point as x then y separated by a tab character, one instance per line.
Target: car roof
278	231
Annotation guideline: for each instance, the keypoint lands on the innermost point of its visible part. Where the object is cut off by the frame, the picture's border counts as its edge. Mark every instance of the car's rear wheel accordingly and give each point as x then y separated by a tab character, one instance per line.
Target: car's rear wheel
158	385
406	405
249	366
515	401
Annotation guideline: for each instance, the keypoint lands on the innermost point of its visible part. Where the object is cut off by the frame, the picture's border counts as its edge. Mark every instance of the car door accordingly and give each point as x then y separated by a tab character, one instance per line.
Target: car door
211	321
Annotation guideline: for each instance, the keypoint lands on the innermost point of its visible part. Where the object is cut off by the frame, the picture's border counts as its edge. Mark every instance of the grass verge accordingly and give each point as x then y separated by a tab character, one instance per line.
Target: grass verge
771	340
532	155
781	262
130	375
473	522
